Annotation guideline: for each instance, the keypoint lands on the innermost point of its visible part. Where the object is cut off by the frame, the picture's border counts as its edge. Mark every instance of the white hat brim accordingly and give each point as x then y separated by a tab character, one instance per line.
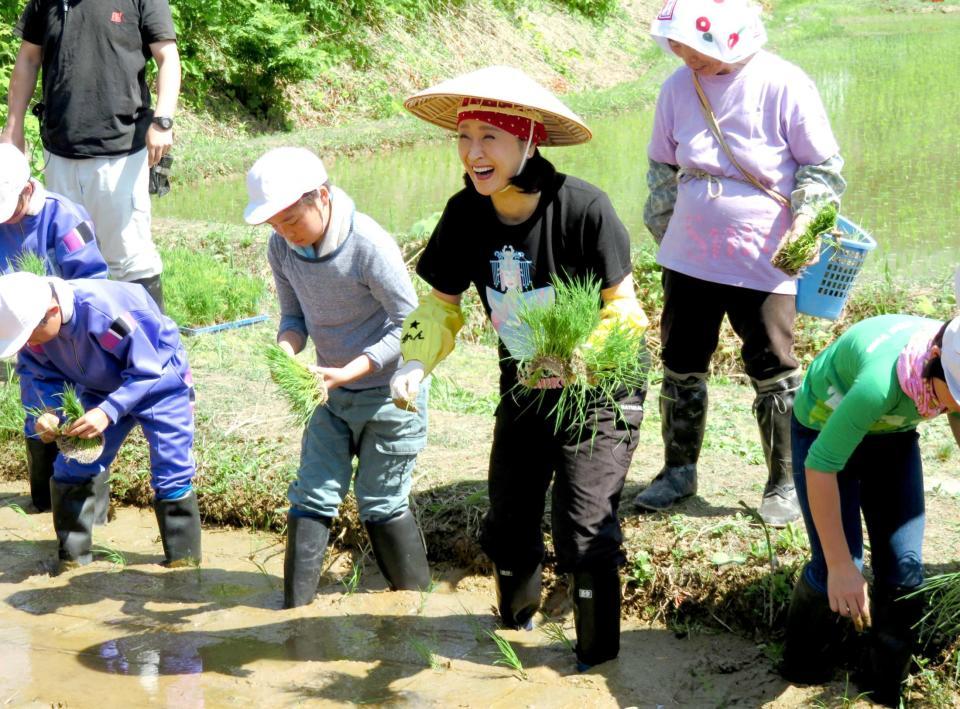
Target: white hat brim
439	104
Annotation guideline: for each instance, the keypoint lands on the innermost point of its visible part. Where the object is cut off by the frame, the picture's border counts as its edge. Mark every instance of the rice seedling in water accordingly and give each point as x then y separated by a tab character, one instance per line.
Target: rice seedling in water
83	450
200	290
114	556
303	390
508	656
554	631
351	582
16	509
557	342
796	254
30	262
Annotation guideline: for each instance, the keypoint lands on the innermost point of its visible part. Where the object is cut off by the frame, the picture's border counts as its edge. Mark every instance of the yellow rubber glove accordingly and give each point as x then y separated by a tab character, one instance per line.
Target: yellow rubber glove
619	312
429	332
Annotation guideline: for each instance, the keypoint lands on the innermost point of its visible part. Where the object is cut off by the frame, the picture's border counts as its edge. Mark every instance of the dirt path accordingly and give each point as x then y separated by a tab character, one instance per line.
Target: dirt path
137	635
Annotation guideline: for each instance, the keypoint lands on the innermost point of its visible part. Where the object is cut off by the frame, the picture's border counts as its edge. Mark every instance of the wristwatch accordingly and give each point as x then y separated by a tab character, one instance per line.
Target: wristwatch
163	122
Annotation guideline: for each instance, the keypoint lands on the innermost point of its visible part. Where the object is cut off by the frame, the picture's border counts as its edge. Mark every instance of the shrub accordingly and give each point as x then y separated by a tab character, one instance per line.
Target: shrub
199	290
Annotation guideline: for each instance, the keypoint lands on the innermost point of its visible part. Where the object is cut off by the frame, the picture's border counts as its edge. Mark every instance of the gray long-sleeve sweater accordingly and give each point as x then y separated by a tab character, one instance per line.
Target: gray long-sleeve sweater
350	302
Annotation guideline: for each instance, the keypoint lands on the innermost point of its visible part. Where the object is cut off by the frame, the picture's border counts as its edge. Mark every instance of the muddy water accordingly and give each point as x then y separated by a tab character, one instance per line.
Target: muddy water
140	635
882	81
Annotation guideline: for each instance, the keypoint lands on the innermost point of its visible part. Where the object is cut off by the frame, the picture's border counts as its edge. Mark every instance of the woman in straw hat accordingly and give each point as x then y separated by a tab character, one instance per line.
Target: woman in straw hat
741	158
517	223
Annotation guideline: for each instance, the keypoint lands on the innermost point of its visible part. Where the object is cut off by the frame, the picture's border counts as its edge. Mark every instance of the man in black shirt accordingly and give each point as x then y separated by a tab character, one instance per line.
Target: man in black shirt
97	125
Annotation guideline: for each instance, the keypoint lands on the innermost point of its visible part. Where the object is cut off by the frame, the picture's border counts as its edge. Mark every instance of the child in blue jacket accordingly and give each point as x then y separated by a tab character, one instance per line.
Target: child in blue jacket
126	361
60	233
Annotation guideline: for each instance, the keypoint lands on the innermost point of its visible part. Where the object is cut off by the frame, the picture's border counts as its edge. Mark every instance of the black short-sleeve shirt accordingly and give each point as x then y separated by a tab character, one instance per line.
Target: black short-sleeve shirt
574	233
94	62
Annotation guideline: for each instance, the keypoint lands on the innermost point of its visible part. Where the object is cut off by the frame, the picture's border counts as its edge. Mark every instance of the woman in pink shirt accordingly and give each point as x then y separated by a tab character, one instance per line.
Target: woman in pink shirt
718	230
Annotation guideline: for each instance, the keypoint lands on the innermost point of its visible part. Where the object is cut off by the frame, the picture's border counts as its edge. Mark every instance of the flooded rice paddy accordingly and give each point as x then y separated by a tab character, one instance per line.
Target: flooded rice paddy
887	83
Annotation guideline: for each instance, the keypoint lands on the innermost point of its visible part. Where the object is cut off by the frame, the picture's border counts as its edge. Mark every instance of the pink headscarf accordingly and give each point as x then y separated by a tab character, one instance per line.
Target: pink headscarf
910	366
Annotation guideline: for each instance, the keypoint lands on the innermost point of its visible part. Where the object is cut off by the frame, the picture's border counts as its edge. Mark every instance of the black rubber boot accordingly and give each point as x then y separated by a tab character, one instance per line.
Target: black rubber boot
154	286
596	613
179	522
40	457
518	596
890	644
399	551
773	408
73	508
683	415
307	539
101	489
813	637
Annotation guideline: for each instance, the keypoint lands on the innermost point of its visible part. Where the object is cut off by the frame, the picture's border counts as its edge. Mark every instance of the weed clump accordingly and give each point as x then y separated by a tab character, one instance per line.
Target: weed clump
796	254
557	346
303	390
199	290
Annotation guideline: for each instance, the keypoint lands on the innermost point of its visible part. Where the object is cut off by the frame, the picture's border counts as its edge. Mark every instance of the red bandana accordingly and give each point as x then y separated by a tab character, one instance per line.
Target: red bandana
515	120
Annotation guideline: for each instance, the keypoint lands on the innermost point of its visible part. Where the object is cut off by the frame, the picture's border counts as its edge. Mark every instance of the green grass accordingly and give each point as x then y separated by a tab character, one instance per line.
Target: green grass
302	389
507	655
201	290
12	414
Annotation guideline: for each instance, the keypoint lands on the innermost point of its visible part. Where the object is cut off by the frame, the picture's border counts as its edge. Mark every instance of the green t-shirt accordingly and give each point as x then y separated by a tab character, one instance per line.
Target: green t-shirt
851	389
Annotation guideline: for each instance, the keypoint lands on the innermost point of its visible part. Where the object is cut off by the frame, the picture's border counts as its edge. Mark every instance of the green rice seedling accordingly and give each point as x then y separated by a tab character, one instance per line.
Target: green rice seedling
114	556
554	631
942	616
508	656
425	595
591	376
30	262
16	509
351	582
302	389
796	254
83	450
12	413
426	653
200	290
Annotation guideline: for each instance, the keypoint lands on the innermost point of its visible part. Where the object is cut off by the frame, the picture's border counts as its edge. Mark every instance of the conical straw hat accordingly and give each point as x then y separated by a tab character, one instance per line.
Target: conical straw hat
439	104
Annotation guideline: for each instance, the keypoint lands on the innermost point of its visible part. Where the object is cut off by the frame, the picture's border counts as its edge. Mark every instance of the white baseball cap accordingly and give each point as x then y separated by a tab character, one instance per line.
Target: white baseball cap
14	176
950	350
278	179
24	299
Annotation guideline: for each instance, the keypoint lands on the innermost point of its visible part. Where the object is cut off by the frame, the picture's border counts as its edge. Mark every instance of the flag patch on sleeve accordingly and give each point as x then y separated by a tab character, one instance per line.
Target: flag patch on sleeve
118	330
78	237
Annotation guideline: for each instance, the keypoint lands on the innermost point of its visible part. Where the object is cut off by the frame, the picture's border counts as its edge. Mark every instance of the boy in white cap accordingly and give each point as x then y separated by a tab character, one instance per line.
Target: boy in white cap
60	233
129	368
342	282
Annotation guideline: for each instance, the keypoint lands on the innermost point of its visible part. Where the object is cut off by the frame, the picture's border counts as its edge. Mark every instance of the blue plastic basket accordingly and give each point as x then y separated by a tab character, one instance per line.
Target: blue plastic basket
824	287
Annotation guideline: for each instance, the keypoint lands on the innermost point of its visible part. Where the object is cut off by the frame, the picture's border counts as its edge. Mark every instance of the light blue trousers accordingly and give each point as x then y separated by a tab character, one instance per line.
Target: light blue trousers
385	440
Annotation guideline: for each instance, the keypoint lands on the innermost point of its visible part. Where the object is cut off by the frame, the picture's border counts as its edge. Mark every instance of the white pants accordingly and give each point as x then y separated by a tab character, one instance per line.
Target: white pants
115	191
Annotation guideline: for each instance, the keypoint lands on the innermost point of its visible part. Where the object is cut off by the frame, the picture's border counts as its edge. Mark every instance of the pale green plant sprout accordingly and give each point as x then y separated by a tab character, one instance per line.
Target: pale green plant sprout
303	390
111	554
554	632
351	582
508	656
30	262
427	654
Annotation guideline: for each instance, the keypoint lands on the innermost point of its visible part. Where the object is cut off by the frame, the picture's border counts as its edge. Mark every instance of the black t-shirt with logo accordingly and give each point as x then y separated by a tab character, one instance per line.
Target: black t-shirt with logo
94	62
574	233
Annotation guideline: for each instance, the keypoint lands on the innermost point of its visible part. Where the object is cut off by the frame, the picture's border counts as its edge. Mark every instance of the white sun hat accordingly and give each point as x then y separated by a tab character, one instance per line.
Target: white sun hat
950	350
24	299
439	104
727	30
278	179
14	176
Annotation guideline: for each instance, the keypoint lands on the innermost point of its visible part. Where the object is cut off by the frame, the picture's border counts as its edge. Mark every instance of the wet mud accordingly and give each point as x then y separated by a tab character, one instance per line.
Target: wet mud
124	631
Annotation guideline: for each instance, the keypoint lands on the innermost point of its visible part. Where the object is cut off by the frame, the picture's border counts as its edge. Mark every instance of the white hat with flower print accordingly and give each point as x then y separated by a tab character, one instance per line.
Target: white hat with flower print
727	30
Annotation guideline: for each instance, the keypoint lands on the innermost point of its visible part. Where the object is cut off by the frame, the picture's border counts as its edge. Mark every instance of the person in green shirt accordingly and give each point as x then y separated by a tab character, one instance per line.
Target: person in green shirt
855	448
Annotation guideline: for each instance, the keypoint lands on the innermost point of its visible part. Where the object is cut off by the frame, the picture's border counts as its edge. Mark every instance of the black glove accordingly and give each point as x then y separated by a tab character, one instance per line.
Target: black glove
160	176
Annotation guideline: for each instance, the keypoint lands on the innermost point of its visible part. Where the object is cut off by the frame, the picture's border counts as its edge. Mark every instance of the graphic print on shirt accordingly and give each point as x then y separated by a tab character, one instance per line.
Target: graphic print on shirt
822	410
513	278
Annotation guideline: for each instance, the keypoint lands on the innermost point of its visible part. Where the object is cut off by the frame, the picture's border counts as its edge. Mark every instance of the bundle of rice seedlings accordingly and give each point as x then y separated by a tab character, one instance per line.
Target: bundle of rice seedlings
796	254
302	389
30	262
82	450
591	376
